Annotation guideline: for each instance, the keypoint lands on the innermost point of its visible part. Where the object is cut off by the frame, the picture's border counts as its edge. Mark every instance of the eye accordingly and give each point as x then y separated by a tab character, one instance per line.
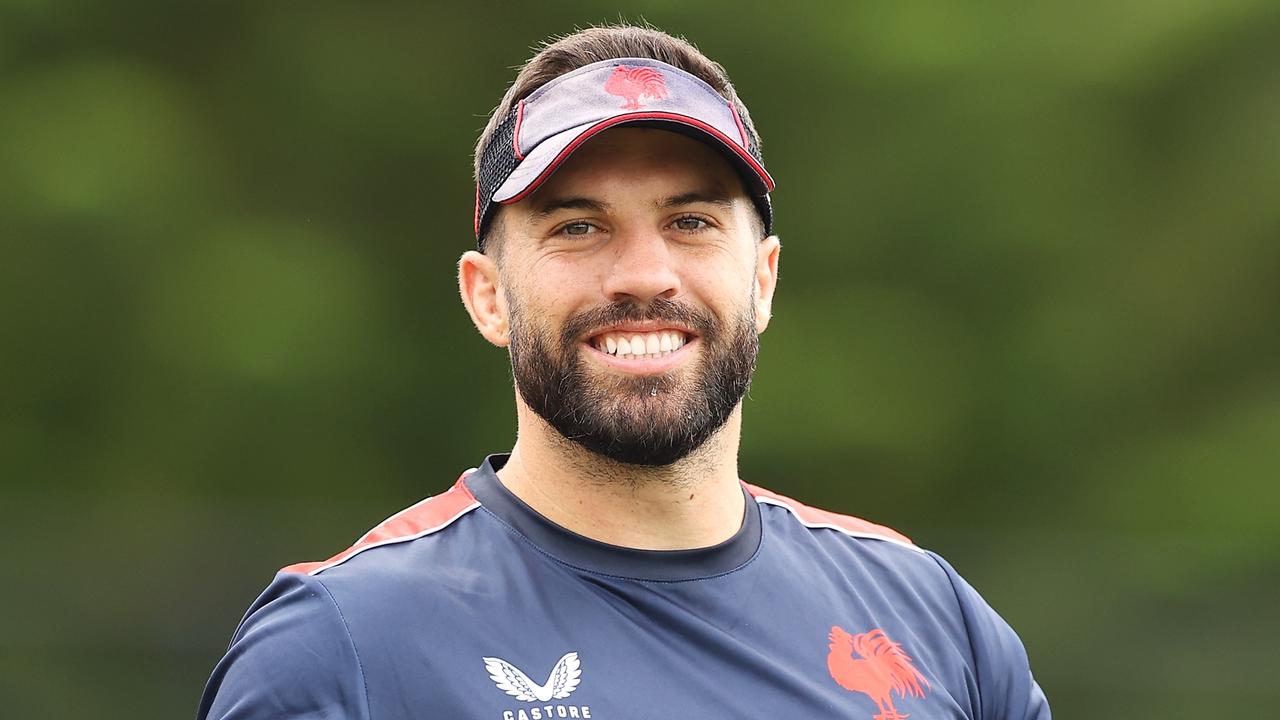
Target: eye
690	223
578	228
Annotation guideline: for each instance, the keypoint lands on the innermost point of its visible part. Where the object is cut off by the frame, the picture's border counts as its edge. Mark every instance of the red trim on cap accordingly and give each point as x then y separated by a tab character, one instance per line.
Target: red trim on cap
618	119
477	212
431	515
738	121
515	136
816	518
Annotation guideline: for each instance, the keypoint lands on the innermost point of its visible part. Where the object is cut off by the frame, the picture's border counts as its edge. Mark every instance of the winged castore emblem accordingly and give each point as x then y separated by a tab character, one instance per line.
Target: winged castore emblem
564	679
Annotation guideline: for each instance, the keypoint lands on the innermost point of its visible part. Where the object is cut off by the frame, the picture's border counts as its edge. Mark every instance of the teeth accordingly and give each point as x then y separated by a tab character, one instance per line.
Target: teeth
640	345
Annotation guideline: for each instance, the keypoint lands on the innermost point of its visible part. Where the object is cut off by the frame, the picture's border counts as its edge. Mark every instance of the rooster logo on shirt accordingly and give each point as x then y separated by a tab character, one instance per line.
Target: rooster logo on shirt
564	679
635	83
880	669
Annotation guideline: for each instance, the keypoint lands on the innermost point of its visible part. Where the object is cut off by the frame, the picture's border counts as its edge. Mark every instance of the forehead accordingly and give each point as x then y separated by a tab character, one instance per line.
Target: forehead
642	160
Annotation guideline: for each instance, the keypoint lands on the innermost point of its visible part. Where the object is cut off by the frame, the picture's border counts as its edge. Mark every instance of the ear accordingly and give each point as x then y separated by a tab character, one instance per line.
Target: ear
767	251
480	285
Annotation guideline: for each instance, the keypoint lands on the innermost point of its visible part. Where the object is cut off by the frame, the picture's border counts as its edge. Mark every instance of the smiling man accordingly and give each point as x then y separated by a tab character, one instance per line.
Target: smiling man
613	564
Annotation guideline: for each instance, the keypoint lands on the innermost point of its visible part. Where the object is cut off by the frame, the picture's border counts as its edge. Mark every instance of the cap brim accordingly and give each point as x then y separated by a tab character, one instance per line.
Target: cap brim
543	160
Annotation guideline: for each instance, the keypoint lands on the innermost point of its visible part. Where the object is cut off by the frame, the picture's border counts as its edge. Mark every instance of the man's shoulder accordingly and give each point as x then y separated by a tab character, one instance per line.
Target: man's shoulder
815	518
845	541
911	582
337	610
427	517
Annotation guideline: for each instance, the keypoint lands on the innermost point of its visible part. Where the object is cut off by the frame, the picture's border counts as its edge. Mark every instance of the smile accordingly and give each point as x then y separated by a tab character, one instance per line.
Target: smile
639	345
642	350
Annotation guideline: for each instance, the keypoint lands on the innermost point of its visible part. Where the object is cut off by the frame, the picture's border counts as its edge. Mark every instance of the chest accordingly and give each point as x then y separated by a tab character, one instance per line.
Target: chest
753	644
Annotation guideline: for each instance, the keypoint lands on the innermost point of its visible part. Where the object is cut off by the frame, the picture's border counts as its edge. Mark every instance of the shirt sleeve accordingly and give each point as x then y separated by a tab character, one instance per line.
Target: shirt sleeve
292	657
1006	688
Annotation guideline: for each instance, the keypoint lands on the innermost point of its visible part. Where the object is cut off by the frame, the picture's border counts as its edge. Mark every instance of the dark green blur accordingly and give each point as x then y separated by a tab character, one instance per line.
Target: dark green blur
1028	314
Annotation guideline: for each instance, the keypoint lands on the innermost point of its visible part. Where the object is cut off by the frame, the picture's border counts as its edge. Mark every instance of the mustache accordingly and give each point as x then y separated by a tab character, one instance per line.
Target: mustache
623	311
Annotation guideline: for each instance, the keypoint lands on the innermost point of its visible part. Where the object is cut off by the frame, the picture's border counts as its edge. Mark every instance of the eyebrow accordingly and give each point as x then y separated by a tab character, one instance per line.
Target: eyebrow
712	197
569	203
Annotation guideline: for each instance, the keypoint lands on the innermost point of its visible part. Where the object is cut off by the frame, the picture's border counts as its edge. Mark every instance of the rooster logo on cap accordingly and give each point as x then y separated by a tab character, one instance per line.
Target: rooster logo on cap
635	83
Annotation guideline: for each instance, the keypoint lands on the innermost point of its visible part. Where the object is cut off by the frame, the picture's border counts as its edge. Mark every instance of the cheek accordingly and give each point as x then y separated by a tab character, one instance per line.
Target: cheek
547	295
721	286
562	283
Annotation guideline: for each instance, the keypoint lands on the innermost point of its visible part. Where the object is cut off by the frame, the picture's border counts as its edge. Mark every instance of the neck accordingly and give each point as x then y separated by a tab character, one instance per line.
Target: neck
692	503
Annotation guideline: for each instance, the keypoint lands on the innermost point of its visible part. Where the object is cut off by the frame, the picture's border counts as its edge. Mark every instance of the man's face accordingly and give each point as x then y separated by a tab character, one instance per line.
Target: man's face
632	281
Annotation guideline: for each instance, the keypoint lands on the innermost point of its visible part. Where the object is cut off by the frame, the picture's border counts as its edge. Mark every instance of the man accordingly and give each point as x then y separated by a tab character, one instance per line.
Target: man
613	565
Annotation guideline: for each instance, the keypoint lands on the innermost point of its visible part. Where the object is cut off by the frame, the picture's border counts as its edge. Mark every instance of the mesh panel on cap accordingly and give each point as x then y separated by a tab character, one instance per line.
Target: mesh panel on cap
763	204
496	165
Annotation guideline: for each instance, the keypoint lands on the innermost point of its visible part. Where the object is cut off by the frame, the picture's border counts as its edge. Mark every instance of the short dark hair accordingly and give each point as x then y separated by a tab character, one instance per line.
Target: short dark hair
558	56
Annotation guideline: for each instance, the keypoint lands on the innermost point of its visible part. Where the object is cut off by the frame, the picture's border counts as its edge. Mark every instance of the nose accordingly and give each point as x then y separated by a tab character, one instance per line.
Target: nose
643	269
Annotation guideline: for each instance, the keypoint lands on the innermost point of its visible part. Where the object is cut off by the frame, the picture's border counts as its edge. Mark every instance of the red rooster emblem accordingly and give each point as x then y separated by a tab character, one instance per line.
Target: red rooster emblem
881	668
633	83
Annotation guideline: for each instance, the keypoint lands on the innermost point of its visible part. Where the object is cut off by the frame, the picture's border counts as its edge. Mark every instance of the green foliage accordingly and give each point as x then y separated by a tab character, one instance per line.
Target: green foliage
1027	314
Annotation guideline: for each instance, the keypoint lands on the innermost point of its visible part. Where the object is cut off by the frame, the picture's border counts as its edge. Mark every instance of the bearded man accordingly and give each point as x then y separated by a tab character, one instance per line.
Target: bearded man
613	565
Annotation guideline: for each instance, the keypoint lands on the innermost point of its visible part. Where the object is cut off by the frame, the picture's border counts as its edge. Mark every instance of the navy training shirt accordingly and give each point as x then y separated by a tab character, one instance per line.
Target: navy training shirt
472	605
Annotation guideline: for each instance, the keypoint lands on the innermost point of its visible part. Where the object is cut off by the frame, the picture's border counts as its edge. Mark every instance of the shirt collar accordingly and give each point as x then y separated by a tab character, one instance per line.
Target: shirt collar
584	553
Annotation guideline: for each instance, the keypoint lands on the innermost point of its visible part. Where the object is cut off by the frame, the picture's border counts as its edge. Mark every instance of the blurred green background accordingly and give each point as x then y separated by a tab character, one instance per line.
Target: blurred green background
1028	314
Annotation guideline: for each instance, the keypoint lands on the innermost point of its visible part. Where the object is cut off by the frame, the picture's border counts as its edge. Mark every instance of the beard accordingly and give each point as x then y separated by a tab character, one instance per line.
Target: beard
651	420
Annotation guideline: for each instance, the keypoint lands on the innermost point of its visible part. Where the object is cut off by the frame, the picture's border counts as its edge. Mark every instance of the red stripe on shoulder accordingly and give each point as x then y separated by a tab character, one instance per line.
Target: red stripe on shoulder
430	515
816	517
